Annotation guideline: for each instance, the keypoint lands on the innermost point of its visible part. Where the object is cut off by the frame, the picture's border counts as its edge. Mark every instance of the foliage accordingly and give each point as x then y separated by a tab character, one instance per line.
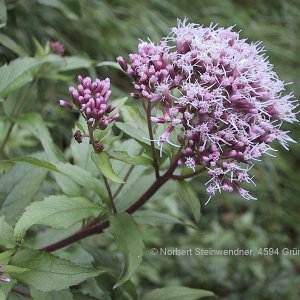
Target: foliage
51	188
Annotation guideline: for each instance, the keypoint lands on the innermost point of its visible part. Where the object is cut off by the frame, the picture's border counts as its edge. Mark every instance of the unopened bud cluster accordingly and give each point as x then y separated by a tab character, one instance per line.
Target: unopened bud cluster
220	92
91	98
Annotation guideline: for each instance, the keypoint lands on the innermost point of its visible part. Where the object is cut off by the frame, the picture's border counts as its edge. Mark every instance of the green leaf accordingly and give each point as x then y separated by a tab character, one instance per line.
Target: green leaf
135	133
16	74
13	269
6	234
154	218
188	195
119	102
129	240
36	125
2	294
48	272
129	159
102	162
6	255
9	43
83	178
58	212
109	139
18	186
3	14
80	127
111	64
74	62
58	295
35	162
133	116
178	293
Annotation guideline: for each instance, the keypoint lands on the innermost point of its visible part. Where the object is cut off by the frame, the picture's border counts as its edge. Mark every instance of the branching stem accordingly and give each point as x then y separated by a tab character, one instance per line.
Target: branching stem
91	228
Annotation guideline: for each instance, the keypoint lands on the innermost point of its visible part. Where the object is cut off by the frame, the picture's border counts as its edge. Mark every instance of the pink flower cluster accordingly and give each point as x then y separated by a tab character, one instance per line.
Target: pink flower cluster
221	93
91	98
57	47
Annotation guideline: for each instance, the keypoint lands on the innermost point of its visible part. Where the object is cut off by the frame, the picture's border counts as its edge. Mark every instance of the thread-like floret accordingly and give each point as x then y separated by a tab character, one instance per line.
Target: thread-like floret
221	92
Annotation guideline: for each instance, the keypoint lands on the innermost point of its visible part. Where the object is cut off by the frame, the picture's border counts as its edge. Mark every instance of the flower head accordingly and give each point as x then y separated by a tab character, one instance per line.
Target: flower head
57	47
221	92
91	98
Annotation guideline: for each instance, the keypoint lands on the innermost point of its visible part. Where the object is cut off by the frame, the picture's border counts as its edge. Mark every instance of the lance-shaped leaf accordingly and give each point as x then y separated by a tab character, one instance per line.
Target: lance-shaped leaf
53	295
178	293
83	178
129	240
129	159
6	234
48	272
17	189
111	64
35	162
36	125
9	43
102	162
154	218
188	195
58	212
16	74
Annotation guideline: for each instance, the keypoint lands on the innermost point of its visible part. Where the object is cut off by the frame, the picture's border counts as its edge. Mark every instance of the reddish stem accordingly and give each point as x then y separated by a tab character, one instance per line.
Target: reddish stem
90	230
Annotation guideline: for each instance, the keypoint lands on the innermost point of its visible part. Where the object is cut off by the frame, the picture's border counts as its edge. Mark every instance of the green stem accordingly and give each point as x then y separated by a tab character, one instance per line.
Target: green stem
91	228
110	196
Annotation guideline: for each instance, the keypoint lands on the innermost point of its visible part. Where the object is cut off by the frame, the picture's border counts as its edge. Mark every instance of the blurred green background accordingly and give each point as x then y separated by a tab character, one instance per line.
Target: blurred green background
102	30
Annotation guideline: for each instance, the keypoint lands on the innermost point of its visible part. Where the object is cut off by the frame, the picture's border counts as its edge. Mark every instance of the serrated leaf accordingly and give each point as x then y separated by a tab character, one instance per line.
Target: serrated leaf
18	186
53	295
178	293
129	240
133	116
138	134
102	162
188	195
58	212
154	218
135	133
6	234
129	159
83	178
119	102
48	272
16	74
35	162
